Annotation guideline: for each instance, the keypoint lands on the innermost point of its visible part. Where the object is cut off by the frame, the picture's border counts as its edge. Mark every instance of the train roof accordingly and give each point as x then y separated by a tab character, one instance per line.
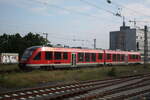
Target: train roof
68	49
34	47
120	52
44	48
115	51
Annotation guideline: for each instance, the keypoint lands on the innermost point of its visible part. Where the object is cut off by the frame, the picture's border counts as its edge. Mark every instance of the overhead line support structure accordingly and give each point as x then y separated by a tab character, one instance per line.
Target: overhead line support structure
145	46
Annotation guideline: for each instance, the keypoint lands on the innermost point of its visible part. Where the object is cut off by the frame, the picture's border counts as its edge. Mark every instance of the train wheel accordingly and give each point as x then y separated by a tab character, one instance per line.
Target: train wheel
50	67
47	68
42	67
23	68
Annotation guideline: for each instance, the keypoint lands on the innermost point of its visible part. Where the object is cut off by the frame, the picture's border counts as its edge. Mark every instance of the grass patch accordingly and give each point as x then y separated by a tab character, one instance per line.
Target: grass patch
9	67
26	79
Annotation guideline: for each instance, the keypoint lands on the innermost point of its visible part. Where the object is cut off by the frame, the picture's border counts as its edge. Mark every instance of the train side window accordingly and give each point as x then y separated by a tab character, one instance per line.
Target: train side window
57	55
133	56
48	55
80	57
108	56
136	56
118	57
114	57
38	56
93	57
122	57
100	56
65	55
87	57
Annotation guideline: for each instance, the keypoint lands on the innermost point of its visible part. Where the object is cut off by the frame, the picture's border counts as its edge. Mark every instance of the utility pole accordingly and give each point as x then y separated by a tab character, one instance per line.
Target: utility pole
145	46
46	34
94	43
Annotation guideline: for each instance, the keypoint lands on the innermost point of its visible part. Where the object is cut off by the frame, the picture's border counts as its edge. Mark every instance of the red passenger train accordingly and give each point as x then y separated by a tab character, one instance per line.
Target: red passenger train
50	57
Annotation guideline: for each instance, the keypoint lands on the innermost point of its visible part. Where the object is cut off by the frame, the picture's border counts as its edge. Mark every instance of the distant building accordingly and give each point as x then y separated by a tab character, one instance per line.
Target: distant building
128	39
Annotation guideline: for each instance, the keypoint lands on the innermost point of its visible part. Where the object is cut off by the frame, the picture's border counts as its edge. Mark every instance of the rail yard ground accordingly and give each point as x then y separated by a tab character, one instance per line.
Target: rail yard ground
14	78
8	67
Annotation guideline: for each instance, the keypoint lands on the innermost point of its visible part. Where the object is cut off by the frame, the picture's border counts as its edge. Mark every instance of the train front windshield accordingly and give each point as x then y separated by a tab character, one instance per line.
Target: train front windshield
27	54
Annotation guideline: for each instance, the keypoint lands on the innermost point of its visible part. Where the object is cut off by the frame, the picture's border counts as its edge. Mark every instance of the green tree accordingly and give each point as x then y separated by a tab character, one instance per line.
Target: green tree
17	44
34	39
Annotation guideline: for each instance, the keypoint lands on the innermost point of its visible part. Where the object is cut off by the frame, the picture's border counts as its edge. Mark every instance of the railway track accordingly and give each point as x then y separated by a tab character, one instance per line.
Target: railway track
111	89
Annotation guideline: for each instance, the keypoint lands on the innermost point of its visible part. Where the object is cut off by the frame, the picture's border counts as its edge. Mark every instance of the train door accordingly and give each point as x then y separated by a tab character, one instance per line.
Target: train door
73	60
126	59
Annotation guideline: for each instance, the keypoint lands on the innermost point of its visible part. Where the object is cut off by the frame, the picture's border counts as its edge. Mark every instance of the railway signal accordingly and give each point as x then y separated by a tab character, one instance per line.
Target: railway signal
145	46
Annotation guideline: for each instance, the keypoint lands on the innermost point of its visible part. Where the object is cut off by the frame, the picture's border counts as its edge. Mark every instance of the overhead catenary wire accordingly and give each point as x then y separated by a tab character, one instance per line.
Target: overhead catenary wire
66	9
119	7
64	38
77	12
98	7
74	40
66	41
130	9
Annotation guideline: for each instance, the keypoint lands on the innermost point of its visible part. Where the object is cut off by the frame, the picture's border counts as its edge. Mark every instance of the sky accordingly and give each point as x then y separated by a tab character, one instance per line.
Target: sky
72	22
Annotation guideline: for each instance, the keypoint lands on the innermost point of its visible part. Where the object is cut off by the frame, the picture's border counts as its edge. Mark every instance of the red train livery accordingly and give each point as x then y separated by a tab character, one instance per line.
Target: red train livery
50	57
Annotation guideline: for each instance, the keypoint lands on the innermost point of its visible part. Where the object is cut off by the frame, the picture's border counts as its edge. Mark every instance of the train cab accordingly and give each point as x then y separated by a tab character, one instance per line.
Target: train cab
134	58
28	55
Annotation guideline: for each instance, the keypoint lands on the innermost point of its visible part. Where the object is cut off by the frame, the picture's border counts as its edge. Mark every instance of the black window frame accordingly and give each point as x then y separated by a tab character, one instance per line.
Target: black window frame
100	56
57	55
80	57
87	57
114	57
108	56
118	57
93	57
122	57
49	55
65	55
133	57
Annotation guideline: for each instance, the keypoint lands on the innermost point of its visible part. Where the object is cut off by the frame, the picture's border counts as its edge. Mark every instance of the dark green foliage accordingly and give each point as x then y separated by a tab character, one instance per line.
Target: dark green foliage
112	72
17	44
